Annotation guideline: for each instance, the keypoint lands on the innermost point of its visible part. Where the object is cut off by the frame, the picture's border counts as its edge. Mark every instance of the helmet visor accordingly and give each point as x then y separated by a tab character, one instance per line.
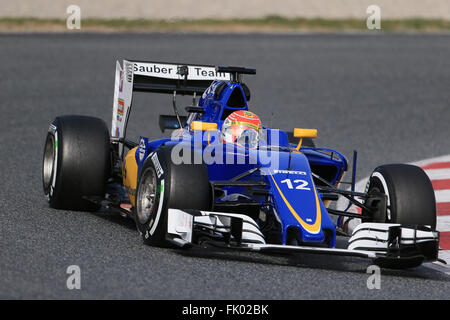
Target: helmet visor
249	138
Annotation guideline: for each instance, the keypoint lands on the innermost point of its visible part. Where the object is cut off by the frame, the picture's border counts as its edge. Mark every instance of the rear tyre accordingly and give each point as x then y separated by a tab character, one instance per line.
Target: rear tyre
163	185
410	194
76	162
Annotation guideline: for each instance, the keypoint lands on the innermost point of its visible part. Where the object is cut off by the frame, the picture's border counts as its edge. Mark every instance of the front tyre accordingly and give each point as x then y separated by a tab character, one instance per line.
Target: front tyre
163	185
410	201
410	194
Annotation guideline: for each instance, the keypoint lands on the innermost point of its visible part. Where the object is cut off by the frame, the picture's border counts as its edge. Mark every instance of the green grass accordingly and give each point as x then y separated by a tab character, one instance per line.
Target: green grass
267	24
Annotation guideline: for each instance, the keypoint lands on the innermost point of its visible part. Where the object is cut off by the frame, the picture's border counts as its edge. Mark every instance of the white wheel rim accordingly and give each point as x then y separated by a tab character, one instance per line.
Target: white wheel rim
49	162
146	195
380	177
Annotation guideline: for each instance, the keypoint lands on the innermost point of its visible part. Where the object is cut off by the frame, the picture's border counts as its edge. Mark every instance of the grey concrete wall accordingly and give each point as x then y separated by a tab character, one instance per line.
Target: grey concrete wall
196	9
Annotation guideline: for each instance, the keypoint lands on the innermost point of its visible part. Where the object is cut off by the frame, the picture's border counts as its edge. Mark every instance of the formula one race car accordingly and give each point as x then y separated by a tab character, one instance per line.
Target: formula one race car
223	179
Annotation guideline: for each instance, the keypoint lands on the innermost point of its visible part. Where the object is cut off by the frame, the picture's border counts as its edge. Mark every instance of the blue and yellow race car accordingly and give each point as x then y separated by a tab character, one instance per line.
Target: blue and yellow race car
223	179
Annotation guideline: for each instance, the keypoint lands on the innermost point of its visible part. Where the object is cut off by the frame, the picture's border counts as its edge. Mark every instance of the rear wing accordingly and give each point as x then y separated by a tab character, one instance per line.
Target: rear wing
161	77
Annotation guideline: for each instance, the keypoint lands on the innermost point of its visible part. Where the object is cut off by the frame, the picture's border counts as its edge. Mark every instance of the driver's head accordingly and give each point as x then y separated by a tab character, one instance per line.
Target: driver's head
242	128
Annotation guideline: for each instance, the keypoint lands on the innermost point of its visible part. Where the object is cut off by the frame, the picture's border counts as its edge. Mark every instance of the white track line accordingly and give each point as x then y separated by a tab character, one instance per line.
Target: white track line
443	223
442	195
425	162
438	174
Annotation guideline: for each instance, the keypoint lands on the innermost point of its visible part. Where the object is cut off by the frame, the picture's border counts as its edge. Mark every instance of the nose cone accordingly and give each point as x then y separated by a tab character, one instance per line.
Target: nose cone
297	201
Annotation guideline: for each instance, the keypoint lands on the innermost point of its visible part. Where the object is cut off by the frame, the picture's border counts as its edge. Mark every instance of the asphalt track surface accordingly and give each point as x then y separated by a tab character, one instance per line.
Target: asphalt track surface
385	95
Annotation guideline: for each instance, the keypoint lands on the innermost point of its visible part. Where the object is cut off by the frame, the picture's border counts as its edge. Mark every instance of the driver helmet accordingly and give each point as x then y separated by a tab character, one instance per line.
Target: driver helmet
242	128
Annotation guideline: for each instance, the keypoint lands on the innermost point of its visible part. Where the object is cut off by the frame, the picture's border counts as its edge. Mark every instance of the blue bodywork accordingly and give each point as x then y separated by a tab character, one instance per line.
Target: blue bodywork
288	191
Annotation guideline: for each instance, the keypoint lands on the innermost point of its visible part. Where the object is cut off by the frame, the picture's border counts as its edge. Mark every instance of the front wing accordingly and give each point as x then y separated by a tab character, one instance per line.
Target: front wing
385	243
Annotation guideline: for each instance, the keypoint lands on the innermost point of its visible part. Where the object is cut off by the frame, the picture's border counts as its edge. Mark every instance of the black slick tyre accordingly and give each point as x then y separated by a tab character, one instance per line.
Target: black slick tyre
76	162
163	185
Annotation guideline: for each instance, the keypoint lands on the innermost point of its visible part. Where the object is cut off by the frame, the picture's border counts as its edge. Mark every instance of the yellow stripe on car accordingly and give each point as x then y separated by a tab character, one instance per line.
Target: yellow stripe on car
312	228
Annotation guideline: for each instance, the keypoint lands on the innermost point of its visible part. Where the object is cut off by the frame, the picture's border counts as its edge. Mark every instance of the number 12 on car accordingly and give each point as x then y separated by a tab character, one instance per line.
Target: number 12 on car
300	184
